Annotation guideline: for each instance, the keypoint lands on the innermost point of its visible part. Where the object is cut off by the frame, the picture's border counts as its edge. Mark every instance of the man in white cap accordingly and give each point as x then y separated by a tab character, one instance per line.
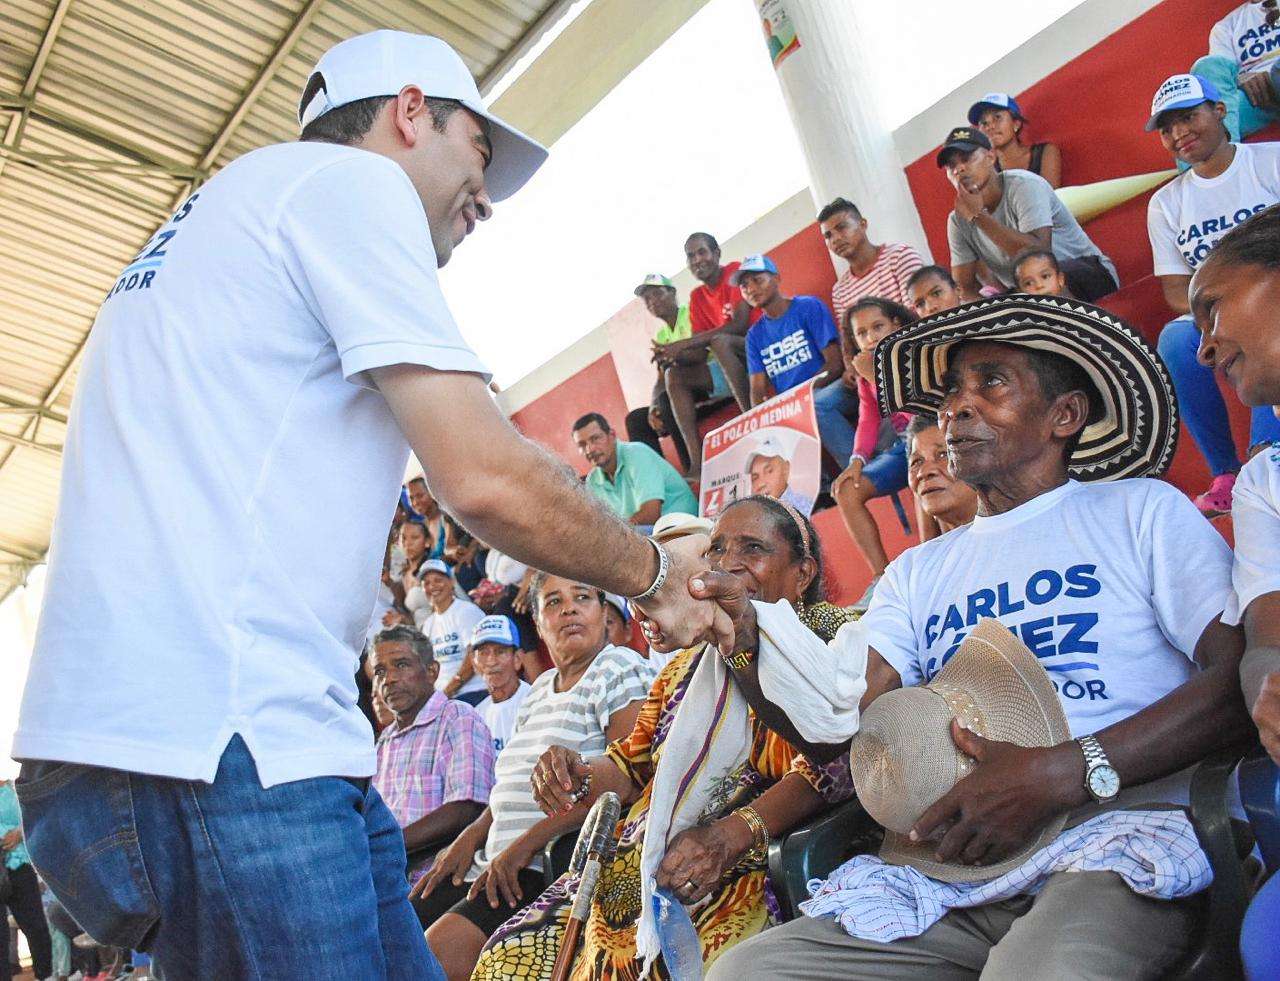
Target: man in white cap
282	335
495	649
769	468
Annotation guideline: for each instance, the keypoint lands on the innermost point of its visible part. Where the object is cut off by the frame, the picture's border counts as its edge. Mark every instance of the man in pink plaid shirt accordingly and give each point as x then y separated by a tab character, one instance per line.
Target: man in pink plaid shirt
435	761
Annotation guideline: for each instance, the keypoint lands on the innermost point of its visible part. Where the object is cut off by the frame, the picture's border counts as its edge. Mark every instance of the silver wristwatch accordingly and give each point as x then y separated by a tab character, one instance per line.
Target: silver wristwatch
1100	777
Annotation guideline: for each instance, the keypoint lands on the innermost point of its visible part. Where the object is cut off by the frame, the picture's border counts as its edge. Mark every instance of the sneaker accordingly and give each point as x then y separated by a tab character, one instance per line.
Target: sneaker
865	601
1217	499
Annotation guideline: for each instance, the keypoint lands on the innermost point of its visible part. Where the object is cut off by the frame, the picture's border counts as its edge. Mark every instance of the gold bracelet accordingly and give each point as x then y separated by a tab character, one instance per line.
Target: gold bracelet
739	660
758	853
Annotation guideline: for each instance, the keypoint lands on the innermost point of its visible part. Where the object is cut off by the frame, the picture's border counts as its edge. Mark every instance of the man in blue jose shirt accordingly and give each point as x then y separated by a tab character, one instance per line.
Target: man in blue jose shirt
796	338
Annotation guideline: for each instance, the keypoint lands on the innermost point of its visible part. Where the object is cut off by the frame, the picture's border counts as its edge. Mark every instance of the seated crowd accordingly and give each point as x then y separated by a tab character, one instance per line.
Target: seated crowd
507	701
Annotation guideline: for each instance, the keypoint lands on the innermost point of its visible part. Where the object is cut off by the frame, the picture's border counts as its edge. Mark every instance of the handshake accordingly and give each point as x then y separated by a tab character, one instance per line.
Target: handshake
697	604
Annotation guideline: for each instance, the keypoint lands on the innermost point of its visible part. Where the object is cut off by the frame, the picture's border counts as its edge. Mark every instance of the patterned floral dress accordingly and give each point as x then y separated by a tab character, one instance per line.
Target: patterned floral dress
525	947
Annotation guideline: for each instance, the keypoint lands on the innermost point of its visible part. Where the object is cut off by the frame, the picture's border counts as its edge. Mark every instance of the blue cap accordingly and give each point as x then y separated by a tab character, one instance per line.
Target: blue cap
994	100
1180	92
753	264
495	630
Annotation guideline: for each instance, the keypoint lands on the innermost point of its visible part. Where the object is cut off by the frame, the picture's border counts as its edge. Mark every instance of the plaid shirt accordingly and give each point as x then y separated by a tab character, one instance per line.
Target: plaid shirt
445	754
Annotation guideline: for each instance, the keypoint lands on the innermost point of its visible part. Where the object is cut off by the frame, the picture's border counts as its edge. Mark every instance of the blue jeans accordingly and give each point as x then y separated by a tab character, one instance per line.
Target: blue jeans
228	880
836	407
887	471
1201	403
1258	944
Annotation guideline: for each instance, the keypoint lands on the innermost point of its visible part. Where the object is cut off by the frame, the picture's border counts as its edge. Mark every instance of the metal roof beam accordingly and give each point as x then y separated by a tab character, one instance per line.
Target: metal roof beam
31	444
101	165
90	134
20	551
13	132
13	407
300	23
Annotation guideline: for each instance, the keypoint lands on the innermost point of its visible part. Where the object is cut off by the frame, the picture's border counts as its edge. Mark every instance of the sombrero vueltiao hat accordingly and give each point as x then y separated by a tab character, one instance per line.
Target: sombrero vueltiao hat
1132	434
904	759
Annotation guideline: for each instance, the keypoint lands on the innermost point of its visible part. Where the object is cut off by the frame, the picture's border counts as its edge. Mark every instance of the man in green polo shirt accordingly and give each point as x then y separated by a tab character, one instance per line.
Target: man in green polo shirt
685	374
634	481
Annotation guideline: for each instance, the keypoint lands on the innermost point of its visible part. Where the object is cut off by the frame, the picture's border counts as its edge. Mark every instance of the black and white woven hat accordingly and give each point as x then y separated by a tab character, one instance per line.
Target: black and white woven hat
1135	432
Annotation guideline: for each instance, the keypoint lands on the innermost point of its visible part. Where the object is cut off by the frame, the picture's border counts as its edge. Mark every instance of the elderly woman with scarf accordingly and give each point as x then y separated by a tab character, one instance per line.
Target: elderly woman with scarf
698	819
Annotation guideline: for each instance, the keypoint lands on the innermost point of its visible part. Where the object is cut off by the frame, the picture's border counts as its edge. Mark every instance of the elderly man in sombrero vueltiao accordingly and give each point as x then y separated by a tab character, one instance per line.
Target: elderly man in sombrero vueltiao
1049	408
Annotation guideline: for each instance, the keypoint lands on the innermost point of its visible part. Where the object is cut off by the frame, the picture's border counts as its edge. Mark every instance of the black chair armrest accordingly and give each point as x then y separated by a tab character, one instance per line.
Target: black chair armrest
813	850
1226	843
556	855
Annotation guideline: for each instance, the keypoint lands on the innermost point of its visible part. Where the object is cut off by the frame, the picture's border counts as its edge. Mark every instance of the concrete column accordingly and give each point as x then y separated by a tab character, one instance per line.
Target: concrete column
828	87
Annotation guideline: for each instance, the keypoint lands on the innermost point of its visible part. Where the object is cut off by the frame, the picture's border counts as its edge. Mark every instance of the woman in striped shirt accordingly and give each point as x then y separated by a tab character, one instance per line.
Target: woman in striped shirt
591	698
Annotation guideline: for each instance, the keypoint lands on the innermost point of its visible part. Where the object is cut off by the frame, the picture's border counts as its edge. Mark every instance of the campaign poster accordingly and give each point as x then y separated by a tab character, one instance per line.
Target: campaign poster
779	35
773	449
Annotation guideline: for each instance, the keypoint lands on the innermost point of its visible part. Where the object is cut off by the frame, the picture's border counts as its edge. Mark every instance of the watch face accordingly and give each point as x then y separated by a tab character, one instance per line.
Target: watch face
1104	782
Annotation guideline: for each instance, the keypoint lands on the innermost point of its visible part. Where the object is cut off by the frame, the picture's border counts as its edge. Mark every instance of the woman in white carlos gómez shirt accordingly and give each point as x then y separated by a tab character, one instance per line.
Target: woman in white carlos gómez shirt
448	625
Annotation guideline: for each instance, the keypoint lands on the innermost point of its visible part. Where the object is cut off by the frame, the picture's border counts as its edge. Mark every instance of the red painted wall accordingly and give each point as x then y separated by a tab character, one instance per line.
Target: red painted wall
1094	108
547	419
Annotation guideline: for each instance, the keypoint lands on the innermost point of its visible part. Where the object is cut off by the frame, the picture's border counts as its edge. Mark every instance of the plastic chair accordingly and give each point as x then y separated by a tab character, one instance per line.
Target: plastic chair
814	850
1260	794
556	855
1215	952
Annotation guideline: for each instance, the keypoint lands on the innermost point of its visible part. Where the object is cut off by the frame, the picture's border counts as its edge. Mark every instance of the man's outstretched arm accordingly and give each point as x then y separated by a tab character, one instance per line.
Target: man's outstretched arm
512	494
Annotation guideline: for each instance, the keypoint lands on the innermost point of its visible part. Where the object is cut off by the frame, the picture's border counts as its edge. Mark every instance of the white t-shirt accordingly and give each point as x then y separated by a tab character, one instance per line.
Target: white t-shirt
224	381
500	717
1255	517
1187	216
503	568
576	719
1244	37
1092	577
450	636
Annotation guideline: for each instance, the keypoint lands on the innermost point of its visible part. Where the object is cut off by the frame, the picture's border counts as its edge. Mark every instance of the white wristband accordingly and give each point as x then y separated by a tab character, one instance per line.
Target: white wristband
664	566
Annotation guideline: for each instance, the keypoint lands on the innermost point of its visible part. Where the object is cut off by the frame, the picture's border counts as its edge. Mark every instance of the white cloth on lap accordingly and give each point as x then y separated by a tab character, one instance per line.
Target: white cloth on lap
818	685
1155	852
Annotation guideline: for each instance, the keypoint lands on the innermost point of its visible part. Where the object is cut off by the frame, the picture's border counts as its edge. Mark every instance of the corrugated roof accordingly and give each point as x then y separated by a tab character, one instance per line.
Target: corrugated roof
109	111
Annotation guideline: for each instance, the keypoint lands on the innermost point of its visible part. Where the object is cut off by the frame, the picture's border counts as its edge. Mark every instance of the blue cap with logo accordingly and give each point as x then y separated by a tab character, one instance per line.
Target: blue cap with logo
1180	92
994	100
495	630
753	264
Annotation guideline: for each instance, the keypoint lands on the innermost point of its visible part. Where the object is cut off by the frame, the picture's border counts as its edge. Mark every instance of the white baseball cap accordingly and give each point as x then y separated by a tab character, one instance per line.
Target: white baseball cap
767	445
677	524
495	629
384	62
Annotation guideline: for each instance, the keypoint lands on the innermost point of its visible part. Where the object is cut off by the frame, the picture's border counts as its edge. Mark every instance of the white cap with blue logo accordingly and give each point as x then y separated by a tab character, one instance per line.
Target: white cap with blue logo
495	630
1180	92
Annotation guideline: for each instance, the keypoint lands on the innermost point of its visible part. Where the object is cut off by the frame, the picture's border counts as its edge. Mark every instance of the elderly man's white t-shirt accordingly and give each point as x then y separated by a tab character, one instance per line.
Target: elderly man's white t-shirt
1110	585
1255	519
230	475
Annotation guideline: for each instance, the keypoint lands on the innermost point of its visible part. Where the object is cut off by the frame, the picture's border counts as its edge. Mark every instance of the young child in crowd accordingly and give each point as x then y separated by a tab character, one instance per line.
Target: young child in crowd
879	463
932	289
1037	271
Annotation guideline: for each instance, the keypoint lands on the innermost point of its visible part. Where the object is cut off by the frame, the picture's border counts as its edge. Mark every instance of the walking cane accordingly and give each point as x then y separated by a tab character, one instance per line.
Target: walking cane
594	850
